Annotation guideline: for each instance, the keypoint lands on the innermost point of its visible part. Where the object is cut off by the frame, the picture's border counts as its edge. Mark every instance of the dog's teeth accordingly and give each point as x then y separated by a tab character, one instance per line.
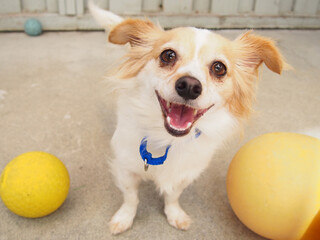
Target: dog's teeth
195	112
168	105
189	124
168	119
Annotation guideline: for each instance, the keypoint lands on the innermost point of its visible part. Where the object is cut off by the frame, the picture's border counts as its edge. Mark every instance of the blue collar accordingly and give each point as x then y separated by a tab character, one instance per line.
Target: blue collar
147	156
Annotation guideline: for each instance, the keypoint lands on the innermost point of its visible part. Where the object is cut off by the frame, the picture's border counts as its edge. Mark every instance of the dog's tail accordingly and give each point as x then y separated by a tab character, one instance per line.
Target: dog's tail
104	18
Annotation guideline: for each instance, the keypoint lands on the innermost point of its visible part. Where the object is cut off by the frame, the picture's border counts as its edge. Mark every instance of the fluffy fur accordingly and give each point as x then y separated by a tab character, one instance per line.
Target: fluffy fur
142	75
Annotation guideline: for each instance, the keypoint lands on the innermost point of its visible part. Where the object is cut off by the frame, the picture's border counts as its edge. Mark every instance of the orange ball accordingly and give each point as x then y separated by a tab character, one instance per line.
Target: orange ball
273	186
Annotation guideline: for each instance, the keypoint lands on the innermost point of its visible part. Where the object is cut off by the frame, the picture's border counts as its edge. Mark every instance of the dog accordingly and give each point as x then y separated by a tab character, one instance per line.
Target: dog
181	94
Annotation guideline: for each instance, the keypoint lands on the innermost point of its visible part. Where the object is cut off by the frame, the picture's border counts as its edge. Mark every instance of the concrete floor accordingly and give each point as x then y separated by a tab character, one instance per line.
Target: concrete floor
52	98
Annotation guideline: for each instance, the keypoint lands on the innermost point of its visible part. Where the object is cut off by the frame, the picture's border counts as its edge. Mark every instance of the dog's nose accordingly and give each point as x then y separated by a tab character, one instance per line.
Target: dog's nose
188	87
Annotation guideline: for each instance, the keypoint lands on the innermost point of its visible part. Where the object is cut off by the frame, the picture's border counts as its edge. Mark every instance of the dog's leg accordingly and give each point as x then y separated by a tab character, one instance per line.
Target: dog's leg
122	220
175	214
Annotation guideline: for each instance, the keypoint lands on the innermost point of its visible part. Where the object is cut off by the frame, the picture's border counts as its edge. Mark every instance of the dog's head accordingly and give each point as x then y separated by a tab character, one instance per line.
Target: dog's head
192	72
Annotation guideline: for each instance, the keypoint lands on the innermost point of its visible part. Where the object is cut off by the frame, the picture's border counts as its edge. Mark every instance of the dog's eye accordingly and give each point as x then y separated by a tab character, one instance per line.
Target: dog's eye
168	57
218	69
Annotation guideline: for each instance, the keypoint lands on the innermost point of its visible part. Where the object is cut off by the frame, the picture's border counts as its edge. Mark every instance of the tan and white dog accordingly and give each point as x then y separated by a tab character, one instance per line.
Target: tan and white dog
184	92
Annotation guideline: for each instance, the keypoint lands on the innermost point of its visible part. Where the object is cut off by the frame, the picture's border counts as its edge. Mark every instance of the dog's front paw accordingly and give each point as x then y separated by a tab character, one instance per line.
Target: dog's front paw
121	221
178	218
117	227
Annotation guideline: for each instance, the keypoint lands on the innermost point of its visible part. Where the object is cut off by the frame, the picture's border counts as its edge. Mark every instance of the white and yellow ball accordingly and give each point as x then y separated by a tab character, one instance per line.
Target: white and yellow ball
273	186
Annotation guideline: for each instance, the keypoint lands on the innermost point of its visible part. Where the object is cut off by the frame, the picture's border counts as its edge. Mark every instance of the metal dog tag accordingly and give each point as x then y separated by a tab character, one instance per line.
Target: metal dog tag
146	165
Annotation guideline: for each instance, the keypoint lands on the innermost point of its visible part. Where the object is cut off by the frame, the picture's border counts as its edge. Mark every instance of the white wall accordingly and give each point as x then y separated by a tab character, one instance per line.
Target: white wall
72	14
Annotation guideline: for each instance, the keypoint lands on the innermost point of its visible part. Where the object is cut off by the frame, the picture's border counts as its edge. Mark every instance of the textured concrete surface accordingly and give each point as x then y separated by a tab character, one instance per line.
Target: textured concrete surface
52	98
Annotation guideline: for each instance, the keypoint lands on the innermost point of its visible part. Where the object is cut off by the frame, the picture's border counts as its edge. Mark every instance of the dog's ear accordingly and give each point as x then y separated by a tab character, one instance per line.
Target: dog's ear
133	31
252	50
105	19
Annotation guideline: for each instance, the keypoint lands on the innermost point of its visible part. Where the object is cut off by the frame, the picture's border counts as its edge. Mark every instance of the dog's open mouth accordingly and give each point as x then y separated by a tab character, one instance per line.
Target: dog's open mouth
179	118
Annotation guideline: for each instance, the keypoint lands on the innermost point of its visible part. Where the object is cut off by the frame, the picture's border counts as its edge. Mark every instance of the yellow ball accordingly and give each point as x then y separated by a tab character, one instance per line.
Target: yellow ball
34	184
273	186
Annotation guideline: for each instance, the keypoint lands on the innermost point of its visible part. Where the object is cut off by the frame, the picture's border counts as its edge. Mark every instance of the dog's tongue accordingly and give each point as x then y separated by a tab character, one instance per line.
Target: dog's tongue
181	116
